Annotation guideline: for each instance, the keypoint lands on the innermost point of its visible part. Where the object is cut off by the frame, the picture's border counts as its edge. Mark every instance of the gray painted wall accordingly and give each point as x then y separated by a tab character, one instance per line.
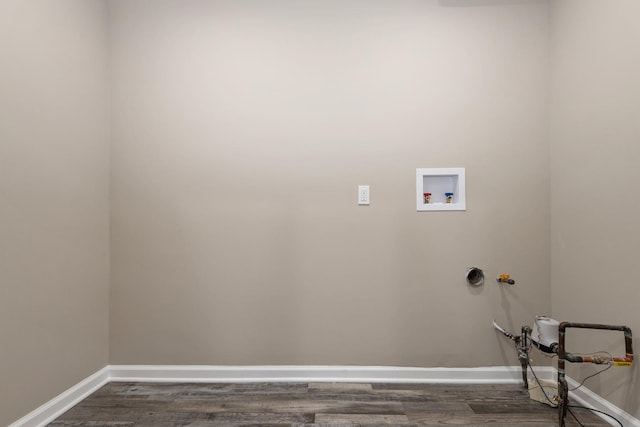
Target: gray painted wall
241	132
595	159
54	199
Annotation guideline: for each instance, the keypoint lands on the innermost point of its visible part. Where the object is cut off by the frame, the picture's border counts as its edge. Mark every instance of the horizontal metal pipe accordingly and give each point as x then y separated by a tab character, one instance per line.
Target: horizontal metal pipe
628	358
563	388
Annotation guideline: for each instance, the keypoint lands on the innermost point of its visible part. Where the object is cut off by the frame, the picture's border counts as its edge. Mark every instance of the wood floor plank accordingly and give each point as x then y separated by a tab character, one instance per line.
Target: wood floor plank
361	419
340	387
63	423
501	407
443	407
313	405
266	406
503	420
260	417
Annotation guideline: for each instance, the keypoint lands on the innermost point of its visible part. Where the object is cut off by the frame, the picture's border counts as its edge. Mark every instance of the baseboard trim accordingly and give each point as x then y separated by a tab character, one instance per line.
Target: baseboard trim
64	401
585	397
390	374
487	375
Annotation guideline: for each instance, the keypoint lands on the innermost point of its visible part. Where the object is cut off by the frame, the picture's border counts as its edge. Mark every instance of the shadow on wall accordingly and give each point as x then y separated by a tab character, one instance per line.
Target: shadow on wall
480	3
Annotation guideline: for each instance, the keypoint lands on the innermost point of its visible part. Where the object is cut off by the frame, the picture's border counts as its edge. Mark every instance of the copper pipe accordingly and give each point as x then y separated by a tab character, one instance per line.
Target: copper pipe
563	388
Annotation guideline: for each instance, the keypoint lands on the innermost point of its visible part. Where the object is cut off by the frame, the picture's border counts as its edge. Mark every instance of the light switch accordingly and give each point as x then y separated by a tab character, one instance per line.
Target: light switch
363	194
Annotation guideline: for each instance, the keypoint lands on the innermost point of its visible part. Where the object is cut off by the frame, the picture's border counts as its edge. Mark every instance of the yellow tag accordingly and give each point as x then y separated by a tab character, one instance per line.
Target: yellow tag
622	363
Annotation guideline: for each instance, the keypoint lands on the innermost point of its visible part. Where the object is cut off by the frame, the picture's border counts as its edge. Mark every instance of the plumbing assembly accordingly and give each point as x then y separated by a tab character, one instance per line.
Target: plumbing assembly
548	335
475	277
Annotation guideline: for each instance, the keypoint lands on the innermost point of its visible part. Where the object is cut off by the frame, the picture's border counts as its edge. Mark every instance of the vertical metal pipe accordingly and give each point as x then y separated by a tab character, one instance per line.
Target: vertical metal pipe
523	354
563	388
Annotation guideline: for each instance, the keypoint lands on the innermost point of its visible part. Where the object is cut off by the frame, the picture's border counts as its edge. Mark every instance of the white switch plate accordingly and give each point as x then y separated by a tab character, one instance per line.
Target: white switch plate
363	194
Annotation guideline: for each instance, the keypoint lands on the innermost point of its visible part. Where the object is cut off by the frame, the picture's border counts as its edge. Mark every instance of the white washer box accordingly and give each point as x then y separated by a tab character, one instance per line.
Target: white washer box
438	182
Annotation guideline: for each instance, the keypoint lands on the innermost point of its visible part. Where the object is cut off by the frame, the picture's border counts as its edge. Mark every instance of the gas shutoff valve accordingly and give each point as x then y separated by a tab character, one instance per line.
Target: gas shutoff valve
505	278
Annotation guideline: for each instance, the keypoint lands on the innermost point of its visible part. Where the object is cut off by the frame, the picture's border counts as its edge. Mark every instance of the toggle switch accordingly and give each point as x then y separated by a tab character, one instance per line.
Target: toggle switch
363	194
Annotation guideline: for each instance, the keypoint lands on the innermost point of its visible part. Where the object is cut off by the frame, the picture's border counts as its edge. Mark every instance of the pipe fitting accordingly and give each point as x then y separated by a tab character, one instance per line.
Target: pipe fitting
475	276
505	278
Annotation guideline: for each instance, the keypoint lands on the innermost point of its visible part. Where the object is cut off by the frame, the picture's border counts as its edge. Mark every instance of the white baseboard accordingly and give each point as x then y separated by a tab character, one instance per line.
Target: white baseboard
388	374
585	397
64	401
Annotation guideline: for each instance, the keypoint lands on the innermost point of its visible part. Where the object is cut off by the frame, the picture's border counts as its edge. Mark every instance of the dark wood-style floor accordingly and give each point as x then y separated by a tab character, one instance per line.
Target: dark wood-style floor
313	404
